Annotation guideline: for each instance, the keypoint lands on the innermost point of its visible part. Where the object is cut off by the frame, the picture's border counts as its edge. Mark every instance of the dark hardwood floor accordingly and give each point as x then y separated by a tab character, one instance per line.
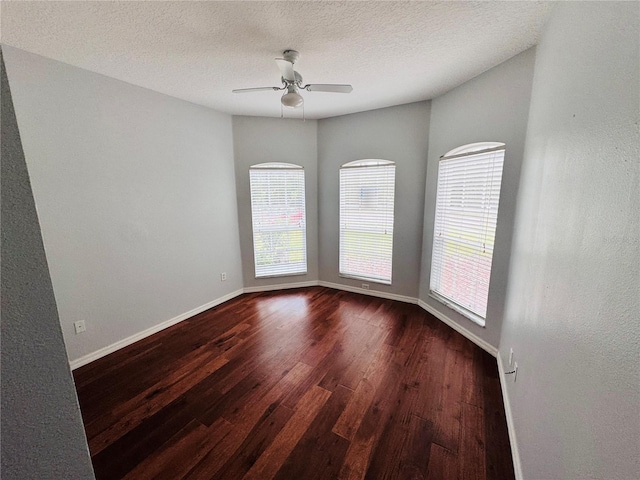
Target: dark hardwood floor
312	383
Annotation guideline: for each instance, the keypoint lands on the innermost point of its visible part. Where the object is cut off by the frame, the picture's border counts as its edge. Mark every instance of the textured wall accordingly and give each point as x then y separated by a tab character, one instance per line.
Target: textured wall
399	134
572	311
136	197
42	432
492	107
260	140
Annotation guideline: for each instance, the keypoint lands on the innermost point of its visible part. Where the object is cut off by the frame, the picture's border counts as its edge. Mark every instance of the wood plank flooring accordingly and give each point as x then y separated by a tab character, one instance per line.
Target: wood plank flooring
310	383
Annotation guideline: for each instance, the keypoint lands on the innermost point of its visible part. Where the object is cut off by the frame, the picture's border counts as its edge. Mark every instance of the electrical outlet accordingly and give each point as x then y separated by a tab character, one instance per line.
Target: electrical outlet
79	326
511	357
365	286
515	371
223	277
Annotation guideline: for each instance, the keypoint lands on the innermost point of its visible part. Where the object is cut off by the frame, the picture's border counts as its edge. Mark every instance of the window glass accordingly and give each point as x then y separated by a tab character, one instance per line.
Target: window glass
469	180
367	189
279	219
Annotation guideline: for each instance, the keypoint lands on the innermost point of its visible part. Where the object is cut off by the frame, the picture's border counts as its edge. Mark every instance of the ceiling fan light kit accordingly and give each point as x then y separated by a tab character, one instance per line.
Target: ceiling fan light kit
292	83
292	99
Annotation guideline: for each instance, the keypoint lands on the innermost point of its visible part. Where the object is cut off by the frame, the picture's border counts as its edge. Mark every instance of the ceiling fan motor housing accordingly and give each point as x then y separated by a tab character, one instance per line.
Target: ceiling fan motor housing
298	80
291	55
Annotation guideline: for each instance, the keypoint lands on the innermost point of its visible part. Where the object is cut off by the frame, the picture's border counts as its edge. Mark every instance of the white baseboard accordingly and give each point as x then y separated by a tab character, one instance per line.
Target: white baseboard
79	362
373	293
458	328
281	286
515	453
402	298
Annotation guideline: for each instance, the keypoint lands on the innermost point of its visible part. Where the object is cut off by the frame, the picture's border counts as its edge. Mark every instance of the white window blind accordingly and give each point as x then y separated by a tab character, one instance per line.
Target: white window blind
279	219
465	226
367	190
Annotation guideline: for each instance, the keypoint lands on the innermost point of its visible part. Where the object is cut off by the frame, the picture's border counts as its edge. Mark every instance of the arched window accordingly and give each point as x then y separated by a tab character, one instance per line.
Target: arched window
469	179
279	219
367	189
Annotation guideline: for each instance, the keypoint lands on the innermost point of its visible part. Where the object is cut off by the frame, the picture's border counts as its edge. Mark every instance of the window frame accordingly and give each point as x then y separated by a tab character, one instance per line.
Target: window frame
468	150
278	167
342	270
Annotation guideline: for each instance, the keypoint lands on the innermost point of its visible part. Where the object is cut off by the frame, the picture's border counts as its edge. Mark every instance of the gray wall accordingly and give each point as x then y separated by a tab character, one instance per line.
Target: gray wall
42	432
572	308
260	140
492	107
136	197
399	134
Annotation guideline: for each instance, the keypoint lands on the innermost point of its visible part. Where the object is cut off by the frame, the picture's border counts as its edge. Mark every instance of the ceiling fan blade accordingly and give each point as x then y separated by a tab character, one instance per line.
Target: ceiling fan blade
286	69
328	87
255	89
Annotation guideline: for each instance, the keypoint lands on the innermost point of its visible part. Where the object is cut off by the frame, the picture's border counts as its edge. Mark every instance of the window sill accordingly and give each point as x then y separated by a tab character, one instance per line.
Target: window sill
365	279
478	320
280	275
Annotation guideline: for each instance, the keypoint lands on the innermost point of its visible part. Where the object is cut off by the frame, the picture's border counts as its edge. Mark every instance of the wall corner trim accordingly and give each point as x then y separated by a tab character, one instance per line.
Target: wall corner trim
515	453
79	362
463	331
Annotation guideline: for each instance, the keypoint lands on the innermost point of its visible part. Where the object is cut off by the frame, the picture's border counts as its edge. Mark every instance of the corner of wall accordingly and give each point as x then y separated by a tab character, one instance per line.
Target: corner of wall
42	430
515	451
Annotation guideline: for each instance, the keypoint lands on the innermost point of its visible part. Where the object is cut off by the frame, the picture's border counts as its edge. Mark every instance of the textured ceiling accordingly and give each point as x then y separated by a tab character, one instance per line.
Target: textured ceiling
391	52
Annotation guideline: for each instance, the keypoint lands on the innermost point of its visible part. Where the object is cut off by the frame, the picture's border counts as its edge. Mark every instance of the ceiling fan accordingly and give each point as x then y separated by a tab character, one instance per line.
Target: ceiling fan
292	82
